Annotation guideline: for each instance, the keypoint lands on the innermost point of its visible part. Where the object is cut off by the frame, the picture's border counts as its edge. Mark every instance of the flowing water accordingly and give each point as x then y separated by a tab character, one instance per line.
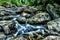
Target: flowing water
27	29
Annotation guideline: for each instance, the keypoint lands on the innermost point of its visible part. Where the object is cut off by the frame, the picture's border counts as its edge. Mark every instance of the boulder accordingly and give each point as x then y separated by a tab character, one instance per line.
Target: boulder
7	26
39	18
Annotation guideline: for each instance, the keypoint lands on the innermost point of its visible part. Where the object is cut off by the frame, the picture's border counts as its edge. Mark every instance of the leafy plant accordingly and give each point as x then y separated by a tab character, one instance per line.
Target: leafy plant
16	2
39	4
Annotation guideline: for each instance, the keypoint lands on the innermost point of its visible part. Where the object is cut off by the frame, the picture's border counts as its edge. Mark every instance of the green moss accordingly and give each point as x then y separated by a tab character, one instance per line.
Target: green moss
39	7
31	21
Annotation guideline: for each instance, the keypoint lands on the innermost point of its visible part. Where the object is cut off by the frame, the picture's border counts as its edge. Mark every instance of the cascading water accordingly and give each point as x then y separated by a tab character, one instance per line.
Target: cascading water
26	28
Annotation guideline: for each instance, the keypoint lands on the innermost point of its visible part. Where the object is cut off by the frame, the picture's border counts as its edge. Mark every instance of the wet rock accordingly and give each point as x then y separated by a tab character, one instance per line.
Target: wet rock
2	36
27	15
7	26
22	19
6	13
26	9
54	25
8	17
2	8
11	9
35	37
33	9
2	13
40	17
21	37
26	37
30	9
52	11
34	18
19	9
52	38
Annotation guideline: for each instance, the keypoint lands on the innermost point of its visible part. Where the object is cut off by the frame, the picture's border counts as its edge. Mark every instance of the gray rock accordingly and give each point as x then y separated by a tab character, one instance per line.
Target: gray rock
52	11
24	14
8	17
2	13
2	8
26	9
30	9
54	25
52	38
21	38
7	25
2	36
40	17
22	19
17	38
19	9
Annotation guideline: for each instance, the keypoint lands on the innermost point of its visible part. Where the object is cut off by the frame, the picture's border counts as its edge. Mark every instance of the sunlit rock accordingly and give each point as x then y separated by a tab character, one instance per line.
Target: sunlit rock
54	26
40	17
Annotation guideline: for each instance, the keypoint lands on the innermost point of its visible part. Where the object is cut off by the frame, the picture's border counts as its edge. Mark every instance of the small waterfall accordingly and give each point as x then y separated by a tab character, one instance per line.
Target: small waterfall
29	29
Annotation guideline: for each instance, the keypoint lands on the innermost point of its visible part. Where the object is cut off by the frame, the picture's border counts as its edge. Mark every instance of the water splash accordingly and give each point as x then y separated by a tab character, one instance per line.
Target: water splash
22	29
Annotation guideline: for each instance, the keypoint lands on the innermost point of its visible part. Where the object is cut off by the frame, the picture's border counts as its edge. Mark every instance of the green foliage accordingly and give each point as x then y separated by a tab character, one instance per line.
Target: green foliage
27	2
39	7
39	4
21	2
16	2
0	2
